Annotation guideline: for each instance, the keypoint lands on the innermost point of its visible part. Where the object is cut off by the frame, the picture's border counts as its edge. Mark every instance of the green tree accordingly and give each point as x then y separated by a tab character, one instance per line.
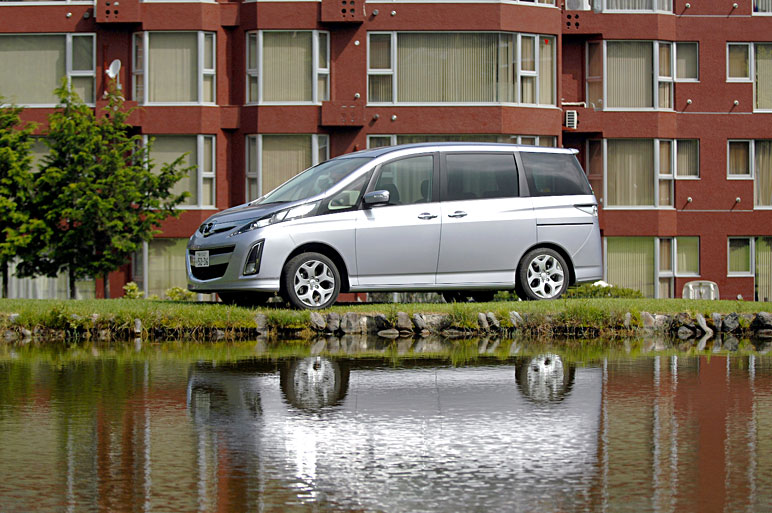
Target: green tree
15	184
97	193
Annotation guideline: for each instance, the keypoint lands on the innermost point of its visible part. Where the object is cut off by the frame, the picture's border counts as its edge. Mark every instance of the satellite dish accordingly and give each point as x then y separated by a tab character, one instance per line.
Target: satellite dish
114	68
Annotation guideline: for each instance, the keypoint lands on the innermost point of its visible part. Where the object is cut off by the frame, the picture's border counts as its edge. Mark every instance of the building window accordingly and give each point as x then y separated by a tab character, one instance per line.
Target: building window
636	5
763	265
650	264
748	62
198	151
460	67
739	256
762	6
294	68
752	160
377	141
39	62
640	172
630	75
174	67
274	159
738	62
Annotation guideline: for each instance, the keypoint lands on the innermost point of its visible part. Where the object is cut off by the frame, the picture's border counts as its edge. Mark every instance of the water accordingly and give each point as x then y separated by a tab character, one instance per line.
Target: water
172	429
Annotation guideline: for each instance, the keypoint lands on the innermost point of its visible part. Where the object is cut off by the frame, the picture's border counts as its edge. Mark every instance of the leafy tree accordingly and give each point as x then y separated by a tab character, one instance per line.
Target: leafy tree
15	184
97	193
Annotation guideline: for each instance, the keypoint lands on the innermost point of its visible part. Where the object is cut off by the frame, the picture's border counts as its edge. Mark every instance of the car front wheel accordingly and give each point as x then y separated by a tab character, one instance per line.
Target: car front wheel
543	274
311	281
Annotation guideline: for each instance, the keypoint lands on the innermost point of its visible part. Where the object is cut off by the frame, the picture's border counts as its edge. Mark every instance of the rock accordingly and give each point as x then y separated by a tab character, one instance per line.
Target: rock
628	320
660	321
716	346
704	326
453	333
730	323
14	317
105	335
420	323
333	344
681	320
404	345
731	344
702	343
647	319
318	346
403	322
351	323
317	322
764	334
377	322
10	336
762	321
94	318
685	333
333	322
424	333
515	319
218	335
137	327
391	333
482	322
493	322
26	334
438	322
261	323
716	317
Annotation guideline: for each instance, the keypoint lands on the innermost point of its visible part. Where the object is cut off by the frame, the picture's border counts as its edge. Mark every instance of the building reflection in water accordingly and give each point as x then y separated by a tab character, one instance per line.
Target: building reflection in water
661	433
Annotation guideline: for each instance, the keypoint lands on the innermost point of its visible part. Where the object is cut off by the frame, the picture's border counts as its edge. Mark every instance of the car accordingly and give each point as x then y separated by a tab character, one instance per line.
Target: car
462	219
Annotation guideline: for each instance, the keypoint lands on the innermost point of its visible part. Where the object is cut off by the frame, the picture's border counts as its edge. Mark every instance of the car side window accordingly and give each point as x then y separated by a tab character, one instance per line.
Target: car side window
349	196
554	174
480	176
408	180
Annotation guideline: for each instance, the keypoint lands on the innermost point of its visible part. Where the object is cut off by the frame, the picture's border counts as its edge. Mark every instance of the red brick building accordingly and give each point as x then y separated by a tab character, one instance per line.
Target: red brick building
668	102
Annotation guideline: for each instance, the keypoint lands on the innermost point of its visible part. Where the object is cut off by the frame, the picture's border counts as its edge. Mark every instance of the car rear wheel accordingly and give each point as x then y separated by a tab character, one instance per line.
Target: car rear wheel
311	281
543	274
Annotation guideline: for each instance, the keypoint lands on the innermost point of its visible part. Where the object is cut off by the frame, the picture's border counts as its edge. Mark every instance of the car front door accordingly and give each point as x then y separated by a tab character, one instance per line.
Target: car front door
486	225
397	243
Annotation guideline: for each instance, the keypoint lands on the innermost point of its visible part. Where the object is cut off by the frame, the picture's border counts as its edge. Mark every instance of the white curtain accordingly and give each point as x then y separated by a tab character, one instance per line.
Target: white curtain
283	156
172	67
287	66
447	67
629	5
629	74
687	158
739	256
32	67
688	255
546	71
764	269
630	263
167	148
762	5
739	158
763	76
630	172
763	170
738	61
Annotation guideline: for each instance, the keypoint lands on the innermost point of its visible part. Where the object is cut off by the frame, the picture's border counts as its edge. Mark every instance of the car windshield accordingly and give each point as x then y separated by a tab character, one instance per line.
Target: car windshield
313	181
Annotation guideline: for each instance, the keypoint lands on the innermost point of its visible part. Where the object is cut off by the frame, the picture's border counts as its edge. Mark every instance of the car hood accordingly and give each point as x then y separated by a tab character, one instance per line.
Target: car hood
234	217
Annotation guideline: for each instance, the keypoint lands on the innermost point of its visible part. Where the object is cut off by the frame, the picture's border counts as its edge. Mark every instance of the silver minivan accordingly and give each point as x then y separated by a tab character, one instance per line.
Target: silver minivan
463	219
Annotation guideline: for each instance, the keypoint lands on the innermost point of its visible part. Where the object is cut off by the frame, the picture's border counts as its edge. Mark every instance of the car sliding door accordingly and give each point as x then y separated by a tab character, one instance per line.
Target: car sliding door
486	225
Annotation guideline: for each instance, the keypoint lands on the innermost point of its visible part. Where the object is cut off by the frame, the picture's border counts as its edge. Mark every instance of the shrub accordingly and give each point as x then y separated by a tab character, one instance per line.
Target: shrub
591	290
131	291
179	294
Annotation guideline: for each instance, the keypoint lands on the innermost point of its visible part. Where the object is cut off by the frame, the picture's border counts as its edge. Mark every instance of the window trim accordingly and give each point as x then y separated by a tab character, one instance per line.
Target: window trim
519	73
687	80
316	70
751	273
141	69
749	78
200	173
68	58
751	164
256	174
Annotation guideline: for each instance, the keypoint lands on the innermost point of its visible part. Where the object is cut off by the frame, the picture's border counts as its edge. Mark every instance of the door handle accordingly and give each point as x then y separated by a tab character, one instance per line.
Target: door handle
457	213
426	215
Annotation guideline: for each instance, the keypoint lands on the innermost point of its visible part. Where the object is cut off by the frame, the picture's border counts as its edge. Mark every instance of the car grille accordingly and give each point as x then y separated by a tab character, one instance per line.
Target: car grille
209	273
214	251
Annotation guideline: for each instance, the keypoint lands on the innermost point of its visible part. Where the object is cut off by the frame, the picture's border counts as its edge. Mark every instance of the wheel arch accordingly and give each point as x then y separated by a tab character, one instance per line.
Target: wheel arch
326	250
555	247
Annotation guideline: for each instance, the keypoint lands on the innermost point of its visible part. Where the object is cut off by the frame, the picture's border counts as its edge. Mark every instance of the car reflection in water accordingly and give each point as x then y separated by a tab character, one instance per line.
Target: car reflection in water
363	434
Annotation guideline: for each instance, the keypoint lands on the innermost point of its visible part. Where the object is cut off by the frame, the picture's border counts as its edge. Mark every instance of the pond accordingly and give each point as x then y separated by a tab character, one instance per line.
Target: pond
242	427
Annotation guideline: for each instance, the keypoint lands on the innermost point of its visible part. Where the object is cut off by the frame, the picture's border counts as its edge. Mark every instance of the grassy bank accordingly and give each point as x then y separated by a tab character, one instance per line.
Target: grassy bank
120	314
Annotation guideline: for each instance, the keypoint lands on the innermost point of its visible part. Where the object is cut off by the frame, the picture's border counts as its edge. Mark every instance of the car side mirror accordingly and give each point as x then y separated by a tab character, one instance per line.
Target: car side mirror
373	198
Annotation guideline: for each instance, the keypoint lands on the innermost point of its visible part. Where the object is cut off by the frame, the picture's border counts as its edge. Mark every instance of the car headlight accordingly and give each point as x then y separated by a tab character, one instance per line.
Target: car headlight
282	215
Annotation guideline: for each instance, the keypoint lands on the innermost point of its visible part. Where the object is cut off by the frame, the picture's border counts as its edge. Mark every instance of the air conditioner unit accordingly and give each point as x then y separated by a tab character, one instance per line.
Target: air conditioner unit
571	119
577	5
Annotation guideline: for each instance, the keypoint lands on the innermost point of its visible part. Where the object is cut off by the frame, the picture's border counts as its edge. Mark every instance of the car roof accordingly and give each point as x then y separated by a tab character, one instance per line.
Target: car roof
385	150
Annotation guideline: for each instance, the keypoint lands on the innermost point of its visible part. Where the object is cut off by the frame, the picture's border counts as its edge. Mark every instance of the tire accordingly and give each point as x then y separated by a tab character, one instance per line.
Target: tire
311	281
543	274
245	298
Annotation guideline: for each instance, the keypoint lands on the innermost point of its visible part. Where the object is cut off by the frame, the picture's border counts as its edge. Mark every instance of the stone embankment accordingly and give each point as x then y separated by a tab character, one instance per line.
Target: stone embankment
725	328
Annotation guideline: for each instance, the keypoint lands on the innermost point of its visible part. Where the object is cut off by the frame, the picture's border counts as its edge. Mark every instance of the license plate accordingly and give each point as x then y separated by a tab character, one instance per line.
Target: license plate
201	259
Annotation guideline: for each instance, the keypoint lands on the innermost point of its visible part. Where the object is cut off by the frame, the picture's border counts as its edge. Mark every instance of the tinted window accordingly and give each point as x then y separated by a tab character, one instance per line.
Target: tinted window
407	180
480	176
554	174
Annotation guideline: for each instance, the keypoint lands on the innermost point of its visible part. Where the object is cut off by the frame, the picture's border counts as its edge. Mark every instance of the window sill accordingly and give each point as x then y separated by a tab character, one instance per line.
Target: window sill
460	104
739	177
740	275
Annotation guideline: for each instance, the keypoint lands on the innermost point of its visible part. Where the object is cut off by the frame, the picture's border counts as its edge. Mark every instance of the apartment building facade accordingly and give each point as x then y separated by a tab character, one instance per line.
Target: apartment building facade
668	102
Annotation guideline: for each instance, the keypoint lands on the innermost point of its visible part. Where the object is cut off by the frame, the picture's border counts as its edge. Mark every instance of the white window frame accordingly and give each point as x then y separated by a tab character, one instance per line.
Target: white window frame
595	78
656	78
675	61
316	70
674	164
317	141
749	78
141	68
752	268
200	173
519	72
68	71
513	139
751	161
755	13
